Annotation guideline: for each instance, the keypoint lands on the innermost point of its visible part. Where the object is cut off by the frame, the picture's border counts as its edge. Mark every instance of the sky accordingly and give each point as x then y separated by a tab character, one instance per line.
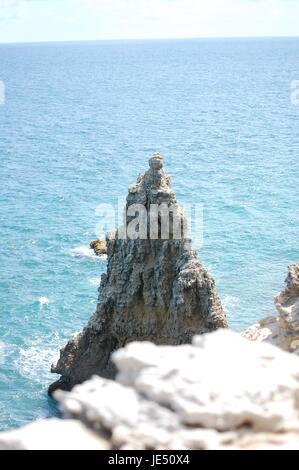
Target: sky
73	20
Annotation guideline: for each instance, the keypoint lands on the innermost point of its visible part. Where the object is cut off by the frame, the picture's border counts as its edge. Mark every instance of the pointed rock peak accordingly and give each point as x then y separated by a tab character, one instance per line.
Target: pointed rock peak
155	176
153	186
292	280
156	162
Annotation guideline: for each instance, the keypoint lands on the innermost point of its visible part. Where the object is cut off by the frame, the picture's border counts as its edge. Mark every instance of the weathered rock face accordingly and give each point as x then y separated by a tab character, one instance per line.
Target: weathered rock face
221	392
154	289
284	330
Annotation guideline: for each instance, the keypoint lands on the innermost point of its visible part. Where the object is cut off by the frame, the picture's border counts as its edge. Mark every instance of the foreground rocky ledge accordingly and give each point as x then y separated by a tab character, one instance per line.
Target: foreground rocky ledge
221	392
154	289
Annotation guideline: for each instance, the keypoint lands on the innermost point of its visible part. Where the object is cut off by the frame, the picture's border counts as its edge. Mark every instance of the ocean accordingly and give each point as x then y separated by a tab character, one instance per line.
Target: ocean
78	124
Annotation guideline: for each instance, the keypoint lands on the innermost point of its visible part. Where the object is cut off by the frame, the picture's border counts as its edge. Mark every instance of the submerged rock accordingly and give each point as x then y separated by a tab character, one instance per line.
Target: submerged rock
99	247
155	288
282	331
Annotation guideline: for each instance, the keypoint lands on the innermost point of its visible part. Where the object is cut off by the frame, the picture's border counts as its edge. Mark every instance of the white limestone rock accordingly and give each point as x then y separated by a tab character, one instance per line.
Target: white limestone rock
221	382
53	434
105	404
220	392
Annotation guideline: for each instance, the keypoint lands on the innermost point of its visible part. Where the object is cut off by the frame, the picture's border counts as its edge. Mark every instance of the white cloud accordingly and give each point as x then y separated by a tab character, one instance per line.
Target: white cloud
10	9
187	18
35	20
9	4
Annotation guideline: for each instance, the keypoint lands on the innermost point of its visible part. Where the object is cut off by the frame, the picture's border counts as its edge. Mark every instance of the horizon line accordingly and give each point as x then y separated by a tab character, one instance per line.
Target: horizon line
72	41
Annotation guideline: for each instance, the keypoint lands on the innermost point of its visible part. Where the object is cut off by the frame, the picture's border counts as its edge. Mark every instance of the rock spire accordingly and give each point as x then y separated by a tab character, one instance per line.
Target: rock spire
155	289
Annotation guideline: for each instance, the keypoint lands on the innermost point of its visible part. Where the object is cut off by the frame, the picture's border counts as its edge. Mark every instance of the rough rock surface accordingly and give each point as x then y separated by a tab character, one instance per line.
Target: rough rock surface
99	247
221	392
282	331
154	289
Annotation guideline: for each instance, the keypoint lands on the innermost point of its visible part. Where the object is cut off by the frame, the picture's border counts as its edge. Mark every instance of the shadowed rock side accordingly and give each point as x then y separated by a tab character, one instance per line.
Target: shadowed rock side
155	290
282	331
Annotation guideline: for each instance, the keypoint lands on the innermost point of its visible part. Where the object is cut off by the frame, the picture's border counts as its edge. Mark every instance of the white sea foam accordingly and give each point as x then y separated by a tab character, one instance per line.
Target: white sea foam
75	334
84	251
34	362
230	303
95	281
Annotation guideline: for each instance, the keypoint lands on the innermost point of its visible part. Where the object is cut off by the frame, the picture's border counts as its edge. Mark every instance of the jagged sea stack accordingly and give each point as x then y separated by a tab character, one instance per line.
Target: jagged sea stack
154	289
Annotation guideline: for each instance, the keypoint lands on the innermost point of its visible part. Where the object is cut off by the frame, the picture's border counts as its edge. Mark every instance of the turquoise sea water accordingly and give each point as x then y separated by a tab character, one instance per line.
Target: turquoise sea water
80	122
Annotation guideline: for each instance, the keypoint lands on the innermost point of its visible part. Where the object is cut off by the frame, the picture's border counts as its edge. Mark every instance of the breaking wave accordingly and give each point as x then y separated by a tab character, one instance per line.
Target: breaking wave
84	251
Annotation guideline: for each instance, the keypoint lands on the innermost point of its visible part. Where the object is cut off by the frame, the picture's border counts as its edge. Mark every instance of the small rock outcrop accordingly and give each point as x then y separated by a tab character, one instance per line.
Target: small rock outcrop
99	247
155	289
220	392
282	331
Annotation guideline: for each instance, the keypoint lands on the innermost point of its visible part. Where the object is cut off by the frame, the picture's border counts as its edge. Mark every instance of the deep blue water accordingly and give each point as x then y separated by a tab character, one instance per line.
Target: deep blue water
80	122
